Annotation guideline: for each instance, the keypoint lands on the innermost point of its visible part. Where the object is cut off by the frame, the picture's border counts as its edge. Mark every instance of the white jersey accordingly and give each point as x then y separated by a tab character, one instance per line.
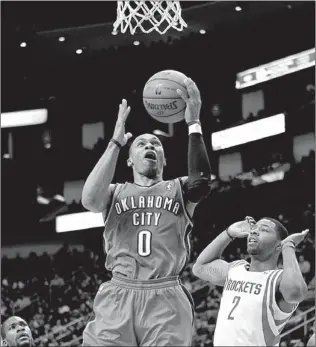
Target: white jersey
249	314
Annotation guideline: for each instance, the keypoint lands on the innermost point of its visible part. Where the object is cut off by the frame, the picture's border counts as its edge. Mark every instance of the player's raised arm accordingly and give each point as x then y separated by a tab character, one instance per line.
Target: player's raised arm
292	285
198	163
208	266
96	193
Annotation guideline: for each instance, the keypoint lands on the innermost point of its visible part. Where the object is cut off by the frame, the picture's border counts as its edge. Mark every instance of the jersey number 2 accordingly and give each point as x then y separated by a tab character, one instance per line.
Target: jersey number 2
144	243
236	302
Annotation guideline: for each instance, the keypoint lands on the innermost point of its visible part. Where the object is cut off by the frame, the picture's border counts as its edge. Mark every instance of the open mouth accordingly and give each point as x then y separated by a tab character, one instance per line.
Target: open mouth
252	240
150	155
23	336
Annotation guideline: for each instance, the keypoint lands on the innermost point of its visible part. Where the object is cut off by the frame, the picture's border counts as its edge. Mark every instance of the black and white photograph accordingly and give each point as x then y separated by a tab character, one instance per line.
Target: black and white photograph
158	173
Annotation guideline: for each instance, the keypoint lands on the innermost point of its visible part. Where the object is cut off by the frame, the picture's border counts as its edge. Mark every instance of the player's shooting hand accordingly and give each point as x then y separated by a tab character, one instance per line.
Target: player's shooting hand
296	238
192	100
239	230
119	131
251	221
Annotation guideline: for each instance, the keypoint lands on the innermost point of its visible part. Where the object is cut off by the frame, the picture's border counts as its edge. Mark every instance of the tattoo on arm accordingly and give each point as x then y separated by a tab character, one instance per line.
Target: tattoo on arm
211	271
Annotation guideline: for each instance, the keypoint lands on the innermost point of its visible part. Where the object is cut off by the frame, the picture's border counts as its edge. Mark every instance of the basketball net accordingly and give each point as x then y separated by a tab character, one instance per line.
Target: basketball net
148	16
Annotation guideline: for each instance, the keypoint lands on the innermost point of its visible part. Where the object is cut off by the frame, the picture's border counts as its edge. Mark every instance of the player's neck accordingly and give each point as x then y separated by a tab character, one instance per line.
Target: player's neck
258	265
146	181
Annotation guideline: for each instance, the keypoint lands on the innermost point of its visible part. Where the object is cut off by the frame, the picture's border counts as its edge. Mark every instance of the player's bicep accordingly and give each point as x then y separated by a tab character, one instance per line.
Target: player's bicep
214	272
101	205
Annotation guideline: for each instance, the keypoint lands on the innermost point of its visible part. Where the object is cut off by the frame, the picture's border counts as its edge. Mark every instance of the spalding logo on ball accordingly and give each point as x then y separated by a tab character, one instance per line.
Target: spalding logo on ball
160	97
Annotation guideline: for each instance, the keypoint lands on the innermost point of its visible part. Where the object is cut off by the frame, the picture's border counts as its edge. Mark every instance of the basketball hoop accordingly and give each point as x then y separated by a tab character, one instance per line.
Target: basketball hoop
148	16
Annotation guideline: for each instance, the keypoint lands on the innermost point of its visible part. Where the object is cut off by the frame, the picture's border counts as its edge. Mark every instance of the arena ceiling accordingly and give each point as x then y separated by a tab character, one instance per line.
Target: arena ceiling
88	25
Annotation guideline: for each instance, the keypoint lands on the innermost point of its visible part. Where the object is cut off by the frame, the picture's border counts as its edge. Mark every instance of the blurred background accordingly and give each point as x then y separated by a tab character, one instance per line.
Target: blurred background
254	63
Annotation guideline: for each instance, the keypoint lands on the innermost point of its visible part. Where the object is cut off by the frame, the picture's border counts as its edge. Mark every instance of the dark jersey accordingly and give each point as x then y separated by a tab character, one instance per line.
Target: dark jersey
147	231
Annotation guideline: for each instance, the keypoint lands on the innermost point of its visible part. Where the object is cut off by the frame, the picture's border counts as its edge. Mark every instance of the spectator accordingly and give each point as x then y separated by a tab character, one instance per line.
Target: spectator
304	265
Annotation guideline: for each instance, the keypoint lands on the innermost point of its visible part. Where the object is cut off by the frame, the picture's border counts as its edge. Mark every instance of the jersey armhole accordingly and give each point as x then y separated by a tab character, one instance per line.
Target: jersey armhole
114	193
187	214
278	313
234	265
237	263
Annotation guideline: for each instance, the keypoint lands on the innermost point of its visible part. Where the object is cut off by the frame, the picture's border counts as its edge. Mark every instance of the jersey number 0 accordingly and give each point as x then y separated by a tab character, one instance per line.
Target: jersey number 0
144	243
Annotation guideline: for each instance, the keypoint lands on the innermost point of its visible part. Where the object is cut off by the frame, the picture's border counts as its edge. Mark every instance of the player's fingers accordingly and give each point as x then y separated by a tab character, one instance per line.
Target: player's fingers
250	220
192	88
128	136
305	232
122	107
182	94
126	113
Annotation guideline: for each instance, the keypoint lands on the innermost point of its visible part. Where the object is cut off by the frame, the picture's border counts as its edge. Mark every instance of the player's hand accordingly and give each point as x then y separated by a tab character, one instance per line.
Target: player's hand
250	221
119	130
240	229
296	238
193	101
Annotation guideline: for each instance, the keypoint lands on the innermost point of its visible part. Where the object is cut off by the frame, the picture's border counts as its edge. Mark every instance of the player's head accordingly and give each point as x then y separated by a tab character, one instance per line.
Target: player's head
146	156
16	332
265	238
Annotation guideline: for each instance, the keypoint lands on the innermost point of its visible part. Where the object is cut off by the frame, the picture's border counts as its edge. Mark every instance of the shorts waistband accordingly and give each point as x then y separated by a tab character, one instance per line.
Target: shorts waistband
158	283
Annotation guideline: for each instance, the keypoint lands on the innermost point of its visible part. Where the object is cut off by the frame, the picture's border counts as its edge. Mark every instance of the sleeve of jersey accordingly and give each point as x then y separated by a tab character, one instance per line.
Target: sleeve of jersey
199	168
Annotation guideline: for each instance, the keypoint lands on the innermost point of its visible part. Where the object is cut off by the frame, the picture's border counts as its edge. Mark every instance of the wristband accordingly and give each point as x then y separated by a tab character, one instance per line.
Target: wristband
229	235
194	122
117	143
289	244
195	128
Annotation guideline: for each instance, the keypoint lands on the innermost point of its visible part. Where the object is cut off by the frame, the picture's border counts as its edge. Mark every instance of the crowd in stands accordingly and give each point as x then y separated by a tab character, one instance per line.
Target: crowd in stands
220	121
276	170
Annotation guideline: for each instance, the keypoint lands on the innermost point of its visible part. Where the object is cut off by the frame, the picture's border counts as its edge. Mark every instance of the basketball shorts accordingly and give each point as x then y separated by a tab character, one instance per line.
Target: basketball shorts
141	313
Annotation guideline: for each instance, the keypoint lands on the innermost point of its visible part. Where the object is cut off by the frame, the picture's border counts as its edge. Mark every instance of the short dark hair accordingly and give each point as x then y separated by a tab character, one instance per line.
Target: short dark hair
280	228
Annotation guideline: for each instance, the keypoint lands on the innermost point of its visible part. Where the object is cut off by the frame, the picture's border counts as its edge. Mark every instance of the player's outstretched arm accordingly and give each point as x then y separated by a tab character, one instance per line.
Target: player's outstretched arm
199	168
292	285
208	266
96	193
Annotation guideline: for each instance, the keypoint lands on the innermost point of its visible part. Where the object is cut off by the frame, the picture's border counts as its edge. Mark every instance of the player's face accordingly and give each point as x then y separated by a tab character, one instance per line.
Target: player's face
17	332
147	155
263	238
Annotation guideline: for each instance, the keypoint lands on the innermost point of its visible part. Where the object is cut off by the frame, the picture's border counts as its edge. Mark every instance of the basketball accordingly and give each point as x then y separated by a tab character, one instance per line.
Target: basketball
160	97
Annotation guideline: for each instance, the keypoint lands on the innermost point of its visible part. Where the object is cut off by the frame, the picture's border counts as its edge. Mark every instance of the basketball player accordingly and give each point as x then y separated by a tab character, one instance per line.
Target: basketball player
258	298
147	226
16	332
